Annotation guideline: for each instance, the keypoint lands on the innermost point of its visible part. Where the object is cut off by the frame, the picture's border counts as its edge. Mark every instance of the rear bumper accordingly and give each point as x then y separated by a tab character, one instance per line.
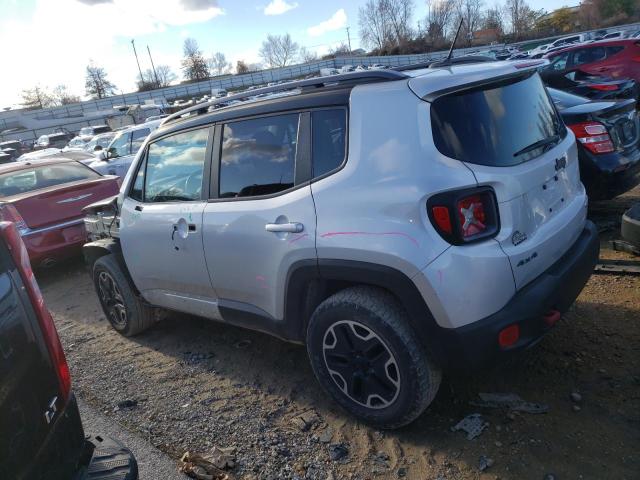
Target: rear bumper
476	344
606	176
54	243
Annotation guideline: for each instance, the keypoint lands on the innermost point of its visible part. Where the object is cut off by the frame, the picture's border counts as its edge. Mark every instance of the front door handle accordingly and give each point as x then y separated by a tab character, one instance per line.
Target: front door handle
293	227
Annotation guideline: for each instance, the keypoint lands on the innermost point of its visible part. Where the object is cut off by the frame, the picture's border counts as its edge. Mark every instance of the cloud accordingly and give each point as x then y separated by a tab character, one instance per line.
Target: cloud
198	4
337	21
278	7
95	2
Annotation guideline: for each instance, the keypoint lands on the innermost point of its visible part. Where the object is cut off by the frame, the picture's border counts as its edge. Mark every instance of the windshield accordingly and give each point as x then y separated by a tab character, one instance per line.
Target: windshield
86	131
494	125
121	145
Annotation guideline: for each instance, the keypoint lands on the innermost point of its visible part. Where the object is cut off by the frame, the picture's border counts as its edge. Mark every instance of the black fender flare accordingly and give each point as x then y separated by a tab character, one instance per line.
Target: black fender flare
92	251
305	287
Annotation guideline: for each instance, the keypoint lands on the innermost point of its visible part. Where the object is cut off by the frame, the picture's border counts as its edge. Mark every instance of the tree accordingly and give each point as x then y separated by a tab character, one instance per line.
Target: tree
399	14
521	17
63	96
279	50
218	64
470	12
194	65
166	76
241	67
493	20
307	56
36	97
374	25
439	17
97	85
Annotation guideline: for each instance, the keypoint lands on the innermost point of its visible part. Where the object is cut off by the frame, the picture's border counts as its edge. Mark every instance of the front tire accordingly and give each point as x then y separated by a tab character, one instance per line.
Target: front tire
126	312
366	356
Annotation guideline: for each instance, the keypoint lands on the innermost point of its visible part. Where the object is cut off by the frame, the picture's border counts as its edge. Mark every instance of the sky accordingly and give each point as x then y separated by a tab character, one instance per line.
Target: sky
50	42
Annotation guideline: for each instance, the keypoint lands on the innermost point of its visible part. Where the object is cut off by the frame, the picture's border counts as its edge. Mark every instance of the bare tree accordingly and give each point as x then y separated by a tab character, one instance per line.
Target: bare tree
307	56
97	85
194	65
493	19
439	17
374	24
63	96
279	50
521	17
166	75
242	67
470	12
218	64
399	14
36	97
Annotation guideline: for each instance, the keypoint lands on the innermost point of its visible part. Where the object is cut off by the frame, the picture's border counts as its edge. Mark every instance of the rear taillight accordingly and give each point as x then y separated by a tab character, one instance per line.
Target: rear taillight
8	213
604	87
593	136
466	216
49	333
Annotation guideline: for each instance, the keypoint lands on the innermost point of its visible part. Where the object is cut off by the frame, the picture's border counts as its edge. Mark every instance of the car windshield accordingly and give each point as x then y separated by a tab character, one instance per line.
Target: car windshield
496	125
86	131
45	176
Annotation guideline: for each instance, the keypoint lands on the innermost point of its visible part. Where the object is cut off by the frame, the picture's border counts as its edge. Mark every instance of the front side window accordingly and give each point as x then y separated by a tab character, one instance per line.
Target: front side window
559	62
137	138
328	139
121	145
174	167
258	156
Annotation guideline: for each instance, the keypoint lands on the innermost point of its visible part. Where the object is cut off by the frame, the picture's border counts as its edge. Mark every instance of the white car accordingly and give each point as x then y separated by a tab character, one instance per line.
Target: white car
117	158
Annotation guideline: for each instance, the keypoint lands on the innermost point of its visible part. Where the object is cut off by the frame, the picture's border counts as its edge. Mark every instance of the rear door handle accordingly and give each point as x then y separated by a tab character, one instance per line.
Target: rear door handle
293	227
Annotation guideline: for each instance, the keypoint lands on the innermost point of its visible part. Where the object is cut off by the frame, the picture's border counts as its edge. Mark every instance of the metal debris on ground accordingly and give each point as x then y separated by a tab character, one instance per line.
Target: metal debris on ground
624	246
338	451
306	420
485	463
472	424
630	267
509	400
208	466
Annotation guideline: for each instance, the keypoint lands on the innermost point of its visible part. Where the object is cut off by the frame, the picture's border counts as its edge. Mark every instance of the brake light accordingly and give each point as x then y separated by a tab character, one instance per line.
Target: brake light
636	59
8	213
509	336
466	216
604	87
593	136
49	333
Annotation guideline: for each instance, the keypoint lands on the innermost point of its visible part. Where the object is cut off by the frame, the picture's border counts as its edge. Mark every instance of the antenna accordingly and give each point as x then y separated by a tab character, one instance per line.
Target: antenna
454	41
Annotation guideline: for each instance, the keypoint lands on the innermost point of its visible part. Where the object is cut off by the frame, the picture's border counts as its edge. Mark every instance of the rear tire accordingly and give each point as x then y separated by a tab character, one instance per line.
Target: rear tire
126	312
366	356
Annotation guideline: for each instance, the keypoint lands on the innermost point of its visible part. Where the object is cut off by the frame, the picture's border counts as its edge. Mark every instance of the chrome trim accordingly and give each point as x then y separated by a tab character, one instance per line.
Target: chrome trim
75	199
27	231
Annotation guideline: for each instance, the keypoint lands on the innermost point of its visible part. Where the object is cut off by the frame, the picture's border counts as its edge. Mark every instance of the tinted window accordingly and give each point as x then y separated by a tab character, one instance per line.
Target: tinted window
174	167
328	139
137	191
137	138
559	62
258	156
27	180
611	51
588	55
121	145
489	126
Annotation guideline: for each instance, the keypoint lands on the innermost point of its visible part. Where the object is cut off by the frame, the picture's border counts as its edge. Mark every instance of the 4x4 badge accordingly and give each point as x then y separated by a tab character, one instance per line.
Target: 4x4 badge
518	237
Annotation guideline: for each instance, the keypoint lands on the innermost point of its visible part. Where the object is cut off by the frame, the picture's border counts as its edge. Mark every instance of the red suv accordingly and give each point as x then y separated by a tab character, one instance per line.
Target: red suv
611	58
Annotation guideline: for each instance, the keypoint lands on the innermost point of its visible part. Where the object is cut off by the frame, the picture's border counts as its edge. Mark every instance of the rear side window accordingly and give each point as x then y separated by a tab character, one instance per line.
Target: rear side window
28	180
588	55
491	126
137	138
611	51
328	139
258	156
174	167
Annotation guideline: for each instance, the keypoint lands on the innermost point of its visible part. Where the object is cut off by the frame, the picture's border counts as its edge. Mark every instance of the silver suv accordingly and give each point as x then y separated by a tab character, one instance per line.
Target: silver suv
397	223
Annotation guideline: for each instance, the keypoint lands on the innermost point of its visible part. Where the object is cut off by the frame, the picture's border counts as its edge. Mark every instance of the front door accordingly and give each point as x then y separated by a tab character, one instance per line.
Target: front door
262	217
161	224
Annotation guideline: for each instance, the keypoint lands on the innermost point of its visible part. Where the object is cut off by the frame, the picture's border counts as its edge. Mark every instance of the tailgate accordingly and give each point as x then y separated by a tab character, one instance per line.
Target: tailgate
58	204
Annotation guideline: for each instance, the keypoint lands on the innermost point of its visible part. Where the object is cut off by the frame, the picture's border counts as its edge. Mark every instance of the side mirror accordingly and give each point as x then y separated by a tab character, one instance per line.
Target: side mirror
103	155
97	148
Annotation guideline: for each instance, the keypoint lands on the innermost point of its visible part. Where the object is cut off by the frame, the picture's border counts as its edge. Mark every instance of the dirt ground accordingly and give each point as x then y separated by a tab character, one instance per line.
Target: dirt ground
194	384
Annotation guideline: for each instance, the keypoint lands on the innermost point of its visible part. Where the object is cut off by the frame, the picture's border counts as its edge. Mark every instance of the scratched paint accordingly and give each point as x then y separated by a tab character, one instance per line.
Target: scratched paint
298	237
399	234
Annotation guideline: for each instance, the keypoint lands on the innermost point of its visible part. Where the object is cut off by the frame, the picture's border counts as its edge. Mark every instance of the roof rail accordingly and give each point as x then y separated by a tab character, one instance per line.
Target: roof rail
346	78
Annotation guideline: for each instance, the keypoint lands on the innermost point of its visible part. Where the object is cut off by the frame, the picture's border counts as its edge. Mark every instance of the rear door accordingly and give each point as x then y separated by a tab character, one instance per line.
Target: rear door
512	139
161	223
261	218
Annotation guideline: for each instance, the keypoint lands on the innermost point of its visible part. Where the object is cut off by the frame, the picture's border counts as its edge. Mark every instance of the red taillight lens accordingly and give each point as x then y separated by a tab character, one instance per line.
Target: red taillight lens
604	87
509	336
465	216
593	136
442	219
21	258
8	213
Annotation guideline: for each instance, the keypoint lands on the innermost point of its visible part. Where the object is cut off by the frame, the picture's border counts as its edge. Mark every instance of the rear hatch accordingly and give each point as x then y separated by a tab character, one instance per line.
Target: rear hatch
621	120
508	133
61	202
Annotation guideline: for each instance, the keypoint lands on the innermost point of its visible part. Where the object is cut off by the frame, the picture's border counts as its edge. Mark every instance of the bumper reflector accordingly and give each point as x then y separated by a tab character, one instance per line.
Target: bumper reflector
551	317
509	336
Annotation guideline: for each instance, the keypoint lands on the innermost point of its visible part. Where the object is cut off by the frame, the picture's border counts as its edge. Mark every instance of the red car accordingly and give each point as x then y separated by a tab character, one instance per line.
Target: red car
609	58
45	200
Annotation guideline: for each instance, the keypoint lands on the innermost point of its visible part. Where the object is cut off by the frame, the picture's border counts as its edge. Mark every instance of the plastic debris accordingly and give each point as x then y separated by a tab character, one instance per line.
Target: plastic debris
472	424
208	466
509	400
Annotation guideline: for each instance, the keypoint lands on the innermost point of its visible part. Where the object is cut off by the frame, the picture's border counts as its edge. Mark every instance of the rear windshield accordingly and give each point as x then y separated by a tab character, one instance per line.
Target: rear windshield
36	178
496	125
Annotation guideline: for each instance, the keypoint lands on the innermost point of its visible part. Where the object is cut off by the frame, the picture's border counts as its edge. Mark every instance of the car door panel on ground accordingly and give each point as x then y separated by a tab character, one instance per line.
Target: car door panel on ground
161	226
261	219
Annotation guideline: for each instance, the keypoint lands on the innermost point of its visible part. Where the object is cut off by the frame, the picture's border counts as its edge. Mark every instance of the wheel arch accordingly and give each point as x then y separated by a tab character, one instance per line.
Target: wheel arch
92	251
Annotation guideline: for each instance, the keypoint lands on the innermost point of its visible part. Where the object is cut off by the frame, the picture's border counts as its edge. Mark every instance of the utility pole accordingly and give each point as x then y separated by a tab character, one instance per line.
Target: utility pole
154	68
137	61
349	39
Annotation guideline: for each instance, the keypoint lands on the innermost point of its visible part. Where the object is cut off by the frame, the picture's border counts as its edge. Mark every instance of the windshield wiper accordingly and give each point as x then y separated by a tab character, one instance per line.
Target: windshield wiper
552	140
